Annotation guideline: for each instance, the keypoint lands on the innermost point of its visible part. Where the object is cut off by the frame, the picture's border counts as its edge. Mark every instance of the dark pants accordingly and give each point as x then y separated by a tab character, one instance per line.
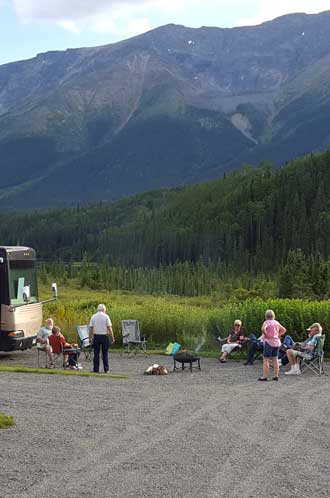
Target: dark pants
256	345
74	357
101	342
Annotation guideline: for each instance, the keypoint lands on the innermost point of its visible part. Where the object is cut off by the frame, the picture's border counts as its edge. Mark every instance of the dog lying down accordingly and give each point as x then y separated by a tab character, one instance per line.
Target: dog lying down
156	370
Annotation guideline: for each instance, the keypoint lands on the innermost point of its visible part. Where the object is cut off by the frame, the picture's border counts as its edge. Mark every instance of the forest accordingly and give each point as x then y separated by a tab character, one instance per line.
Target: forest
255	225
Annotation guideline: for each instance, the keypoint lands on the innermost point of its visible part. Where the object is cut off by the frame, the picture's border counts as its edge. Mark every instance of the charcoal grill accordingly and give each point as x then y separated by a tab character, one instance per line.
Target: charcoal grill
186	358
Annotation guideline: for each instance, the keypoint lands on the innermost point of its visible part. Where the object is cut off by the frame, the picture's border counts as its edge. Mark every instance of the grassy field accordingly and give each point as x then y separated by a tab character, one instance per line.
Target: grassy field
194	322
57	371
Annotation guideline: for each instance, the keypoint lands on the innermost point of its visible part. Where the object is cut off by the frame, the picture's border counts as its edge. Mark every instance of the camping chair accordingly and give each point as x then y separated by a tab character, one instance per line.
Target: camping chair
41	351
132	341
239	352
85	342
315	364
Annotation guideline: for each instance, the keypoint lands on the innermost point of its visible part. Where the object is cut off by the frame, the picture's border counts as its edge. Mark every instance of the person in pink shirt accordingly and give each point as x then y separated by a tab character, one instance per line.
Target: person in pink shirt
272	332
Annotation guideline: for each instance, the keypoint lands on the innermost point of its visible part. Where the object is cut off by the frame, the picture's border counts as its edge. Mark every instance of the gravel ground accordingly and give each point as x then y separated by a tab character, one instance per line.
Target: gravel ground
215	433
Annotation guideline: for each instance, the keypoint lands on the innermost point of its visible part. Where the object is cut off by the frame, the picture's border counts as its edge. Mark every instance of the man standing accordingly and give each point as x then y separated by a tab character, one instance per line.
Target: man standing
100	327
43	339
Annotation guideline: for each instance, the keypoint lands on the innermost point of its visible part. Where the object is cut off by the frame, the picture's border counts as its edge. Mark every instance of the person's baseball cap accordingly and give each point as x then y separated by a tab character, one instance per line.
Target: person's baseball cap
315	325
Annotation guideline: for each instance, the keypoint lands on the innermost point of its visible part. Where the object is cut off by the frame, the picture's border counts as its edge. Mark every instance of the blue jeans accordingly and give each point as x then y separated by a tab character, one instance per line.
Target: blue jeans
101	342
286	344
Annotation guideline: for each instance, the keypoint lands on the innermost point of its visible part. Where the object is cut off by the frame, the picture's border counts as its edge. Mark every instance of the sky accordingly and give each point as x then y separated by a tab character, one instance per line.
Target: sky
29	27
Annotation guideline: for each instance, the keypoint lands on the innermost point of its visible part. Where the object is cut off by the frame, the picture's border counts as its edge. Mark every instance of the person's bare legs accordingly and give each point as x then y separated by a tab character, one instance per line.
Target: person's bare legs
291	357
224	356
294	363
275	367
265	368
49	353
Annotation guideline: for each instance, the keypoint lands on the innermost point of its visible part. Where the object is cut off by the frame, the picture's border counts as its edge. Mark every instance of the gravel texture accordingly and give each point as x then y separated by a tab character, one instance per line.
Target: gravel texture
214	433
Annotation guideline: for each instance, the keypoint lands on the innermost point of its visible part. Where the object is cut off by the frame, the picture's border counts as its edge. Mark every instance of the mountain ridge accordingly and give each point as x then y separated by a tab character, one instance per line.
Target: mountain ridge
173	106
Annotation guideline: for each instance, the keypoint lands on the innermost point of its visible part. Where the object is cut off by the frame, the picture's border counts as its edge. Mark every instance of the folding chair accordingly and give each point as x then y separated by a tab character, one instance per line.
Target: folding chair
42	351
316	363
85	342
239	351
132	341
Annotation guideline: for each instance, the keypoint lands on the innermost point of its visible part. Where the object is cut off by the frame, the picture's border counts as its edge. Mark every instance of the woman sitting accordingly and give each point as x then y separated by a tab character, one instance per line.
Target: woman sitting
236	339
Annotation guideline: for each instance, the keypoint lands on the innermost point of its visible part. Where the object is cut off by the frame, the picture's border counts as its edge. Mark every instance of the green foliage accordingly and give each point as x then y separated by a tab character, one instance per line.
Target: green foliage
55	371
193	322
245	223
6	421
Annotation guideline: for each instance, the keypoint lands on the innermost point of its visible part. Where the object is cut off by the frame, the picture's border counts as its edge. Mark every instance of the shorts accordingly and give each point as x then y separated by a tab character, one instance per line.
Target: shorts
302	354
270	351
44	347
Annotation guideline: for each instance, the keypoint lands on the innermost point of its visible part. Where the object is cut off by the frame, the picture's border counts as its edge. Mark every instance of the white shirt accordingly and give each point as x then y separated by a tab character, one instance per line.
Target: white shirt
100	323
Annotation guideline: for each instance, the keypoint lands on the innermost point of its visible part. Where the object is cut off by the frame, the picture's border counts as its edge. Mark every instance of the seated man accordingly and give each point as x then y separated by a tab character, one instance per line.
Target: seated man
256	345
43	338
59	343
236	338
304	349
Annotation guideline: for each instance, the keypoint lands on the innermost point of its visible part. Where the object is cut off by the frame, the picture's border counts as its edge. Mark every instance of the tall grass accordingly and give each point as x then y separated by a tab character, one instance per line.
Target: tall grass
194	322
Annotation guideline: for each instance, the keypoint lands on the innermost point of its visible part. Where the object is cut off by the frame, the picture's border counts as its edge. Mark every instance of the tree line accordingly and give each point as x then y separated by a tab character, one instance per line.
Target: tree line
253	220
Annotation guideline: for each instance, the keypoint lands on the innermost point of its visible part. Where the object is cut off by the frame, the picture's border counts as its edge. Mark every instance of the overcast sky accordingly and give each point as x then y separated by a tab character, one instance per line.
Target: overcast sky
28	27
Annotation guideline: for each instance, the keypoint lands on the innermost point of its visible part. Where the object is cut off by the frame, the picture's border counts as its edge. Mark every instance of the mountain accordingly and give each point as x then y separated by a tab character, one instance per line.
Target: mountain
171	107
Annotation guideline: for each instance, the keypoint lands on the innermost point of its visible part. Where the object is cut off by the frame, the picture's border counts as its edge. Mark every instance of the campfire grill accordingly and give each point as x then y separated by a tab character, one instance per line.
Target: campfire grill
184	358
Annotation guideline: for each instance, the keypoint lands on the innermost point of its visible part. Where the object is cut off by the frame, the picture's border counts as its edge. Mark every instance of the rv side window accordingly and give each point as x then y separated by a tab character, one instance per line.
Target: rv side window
22	273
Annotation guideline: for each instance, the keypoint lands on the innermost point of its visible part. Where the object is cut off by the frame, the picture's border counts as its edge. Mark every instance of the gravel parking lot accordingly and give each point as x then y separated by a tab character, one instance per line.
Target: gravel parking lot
214	433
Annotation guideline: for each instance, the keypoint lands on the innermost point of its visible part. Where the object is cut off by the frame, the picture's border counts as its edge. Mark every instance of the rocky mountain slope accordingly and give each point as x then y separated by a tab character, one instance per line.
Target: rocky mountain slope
173	106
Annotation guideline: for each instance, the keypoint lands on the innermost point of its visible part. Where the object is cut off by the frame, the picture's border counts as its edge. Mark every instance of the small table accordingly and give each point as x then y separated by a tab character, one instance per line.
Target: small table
184	358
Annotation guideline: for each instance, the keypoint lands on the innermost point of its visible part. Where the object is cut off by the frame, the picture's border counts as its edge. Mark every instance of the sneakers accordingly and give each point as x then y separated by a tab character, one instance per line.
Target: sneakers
291	372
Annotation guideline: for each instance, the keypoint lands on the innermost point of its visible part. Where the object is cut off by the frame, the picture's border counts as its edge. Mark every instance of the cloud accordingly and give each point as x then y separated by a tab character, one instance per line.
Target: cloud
118	17
125	18
266	11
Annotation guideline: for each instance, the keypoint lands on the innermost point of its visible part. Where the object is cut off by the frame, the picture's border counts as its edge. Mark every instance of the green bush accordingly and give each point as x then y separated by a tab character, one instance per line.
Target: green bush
191	322
6	421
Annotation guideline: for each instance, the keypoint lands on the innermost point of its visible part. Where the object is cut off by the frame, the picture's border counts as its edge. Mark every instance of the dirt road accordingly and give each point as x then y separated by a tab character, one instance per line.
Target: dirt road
215	433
